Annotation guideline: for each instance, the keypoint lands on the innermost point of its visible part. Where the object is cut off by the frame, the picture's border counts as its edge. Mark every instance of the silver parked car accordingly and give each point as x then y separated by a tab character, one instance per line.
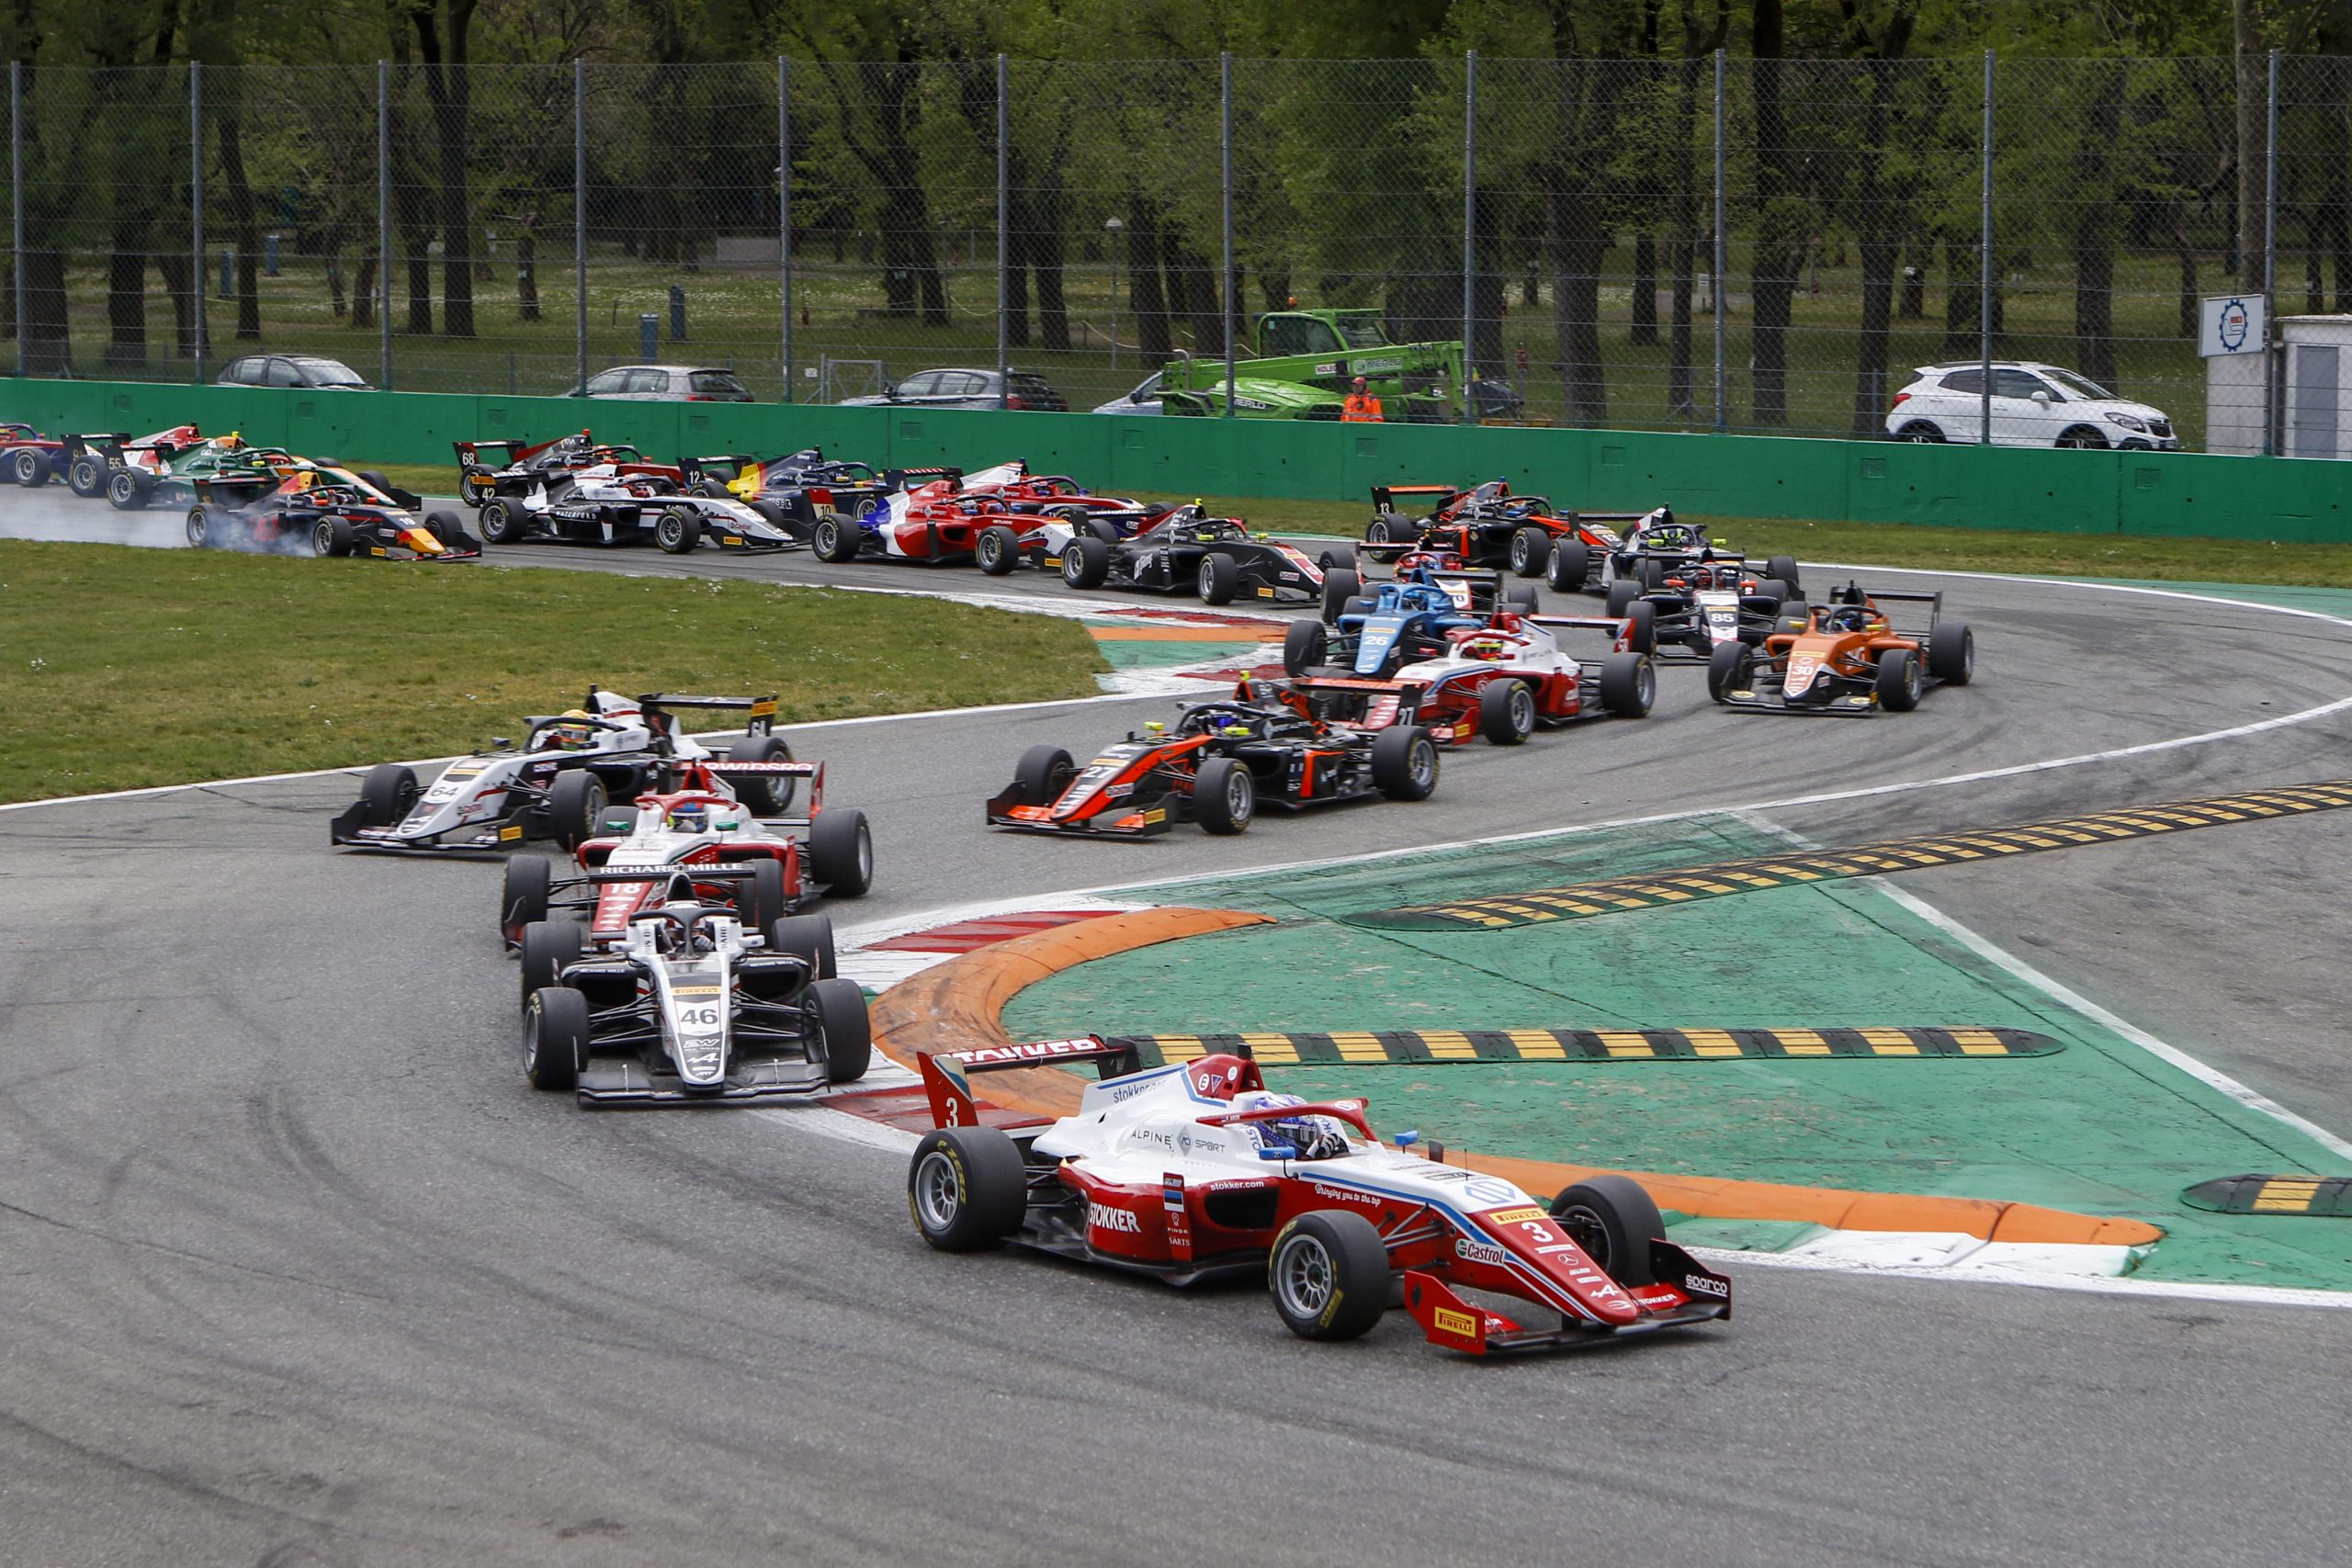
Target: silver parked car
666	384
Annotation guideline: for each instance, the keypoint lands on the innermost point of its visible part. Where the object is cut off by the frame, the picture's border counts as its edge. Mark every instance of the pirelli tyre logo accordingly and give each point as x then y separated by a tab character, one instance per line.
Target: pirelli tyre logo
1417	1046
1615	895
2317	1196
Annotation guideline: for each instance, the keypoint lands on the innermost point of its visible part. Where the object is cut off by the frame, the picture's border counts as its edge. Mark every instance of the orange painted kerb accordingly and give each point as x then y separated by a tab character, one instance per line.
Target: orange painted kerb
959	1005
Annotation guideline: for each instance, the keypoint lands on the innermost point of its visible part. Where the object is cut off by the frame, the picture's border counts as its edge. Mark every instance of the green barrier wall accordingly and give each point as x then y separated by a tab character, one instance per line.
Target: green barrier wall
2091	492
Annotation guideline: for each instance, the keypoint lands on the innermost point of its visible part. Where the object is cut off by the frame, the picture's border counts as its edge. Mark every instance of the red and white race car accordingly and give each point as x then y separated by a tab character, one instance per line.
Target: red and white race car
1196	1171
1503	680
697	837
993	516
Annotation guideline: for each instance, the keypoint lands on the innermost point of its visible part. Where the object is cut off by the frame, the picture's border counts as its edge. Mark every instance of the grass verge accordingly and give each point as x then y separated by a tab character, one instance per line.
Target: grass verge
127	668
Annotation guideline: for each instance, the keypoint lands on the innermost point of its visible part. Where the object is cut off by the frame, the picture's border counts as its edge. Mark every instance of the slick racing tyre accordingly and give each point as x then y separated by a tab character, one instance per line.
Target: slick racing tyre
1653	576
808	938
1952	653
1404	762
1305	646
1785	568
446	528
1531	552
1571	567
501	523
841	853
835	538
1524	599
127	490
1898	680
1614	1221
1506	712
575	808
1224	796
389	792
200	527
1087	562
1219	578
1041	776
678	531
1341	587
1329	1275
996	550
29	466
1622	592
836	1014
555	1038
966	1188
547	946
761	899
1643	635
762	795
523	898
330	537
1629	684
85	476
1727	668
1389	528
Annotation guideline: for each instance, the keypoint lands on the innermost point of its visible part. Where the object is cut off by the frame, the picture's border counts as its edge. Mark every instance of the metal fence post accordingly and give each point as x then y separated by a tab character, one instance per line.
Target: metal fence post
196	215
1722	248
384	223
1469	232
1003	241
1985	272
580	215
783	210
1225	168
17	190
2273	362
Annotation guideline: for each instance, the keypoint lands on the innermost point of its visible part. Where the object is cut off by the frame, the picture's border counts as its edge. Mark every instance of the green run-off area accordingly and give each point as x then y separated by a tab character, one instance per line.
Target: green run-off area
2100	1127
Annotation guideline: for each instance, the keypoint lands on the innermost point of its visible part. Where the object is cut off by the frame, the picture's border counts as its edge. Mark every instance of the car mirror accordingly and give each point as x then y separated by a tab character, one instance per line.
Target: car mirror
2042	398
502	742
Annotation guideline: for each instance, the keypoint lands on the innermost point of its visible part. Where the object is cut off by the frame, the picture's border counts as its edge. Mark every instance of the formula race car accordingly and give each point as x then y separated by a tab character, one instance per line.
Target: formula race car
1658	546
1489	526
792	491
33	459
1188	551
327	511
1219	764
1196	1171
1848	658
557	783
1698	604
514	468
1401	622
933	518
1502	680
690	1008
613	503
237	472
705	836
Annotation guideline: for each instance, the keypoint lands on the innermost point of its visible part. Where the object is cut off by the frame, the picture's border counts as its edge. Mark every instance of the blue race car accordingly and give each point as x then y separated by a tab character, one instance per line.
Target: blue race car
1403	622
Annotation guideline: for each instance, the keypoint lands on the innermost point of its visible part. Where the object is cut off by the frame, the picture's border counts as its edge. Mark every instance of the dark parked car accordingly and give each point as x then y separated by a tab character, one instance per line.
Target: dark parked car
290	370
958	389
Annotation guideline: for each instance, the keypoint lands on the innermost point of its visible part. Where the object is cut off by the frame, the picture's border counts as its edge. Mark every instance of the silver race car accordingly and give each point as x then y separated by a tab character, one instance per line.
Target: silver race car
568	768
690	1008
607	504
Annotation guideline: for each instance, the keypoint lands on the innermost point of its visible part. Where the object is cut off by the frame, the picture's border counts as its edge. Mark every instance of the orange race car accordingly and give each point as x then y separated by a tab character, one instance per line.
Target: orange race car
1851	660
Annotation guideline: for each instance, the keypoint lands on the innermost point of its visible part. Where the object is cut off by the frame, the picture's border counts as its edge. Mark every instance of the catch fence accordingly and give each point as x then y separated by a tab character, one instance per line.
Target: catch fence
1696	243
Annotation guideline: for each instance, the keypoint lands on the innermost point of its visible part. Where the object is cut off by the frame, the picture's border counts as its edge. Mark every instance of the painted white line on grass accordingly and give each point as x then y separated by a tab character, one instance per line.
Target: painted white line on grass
1999	1274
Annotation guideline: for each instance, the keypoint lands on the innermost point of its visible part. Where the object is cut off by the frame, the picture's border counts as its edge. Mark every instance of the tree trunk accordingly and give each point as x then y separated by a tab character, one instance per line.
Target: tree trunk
126	306
49	337
2094	237
1489	289
362	293
1880	213
446	88
2252	100
527	269
2314	271
1645	290
176	271
2185	249
419	245
245	226
1575	239
1913	307
1146	296
1780	230
1681	378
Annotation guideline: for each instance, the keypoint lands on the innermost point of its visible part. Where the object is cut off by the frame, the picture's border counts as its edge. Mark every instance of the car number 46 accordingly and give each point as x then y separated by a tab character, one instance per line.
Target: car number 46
699	1017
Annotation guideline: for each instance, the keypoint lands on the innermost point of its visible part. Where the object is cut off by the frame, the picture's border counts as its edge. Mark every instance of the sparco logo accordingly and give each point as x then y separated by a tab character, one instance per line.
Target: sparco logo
1700	1285
1102	1218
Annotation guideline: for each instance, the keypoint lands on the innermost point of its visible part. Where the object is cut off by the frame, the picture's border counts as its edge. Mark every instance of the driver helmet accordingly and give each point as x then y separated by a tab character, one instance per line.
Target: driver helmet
1847	618
1490	648
691	816
568	735
1313	1138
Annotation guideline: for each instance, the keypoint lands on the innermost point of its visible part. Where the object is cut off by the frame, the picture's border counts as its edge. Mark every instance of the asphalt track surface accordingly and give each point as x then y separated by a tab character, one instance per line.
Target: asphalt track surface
295	1269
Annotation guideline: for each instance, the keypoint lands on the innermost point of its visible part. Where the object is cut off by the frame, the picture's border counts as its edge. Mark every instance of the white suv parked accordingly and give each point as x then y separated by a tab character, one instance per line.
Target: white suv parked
2034	405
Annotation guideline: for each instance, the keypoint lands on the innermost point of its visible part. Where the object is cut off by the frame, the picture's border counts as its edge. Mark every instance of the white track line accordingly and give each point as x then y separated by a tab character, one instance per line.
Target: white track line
2094	1284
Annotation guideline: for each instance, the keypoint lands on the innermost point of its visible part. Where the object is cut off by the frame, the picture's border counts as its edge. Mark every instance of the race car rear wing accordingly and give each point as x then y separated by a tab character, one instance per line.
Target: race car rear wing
947	1074
1620	628
99	441
1385	496
508	452
813	772
908	479
658	707
1934	601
